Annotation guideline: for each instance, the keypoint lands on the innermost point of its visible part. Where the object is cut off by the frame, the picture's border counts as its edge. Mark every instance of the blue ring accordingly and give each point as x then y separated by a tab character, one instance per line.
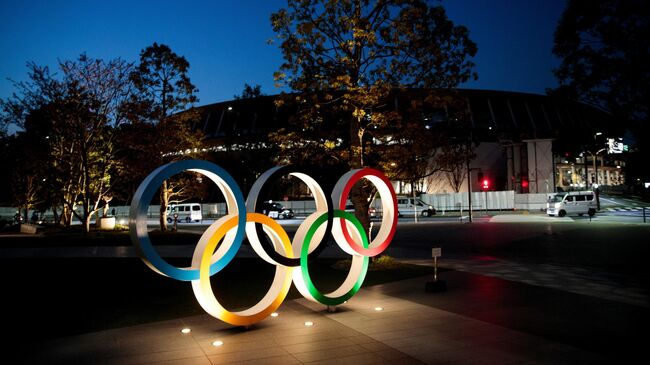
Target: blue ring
140	206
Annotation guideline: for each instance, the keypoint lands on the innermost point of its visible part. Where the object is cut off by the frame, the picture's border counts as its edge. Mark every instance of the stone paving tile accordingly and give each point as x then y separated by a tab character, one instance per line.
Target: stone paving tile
332	345
290	339
244	355
393	356
260	346
274	360
194	361
331	356
148	357
360	359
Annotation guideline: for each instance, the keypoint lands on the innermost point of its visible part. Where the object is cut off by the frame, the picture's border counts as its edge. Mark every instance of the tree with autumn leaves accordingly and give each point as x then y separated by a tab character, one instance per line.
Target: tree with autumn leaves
344	60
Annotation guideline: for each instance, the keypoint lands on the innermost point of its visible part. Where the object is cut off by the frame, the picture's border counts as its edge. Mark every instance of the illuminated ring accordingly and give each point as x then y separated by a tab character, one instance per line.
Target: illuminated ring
140	206
356	275
271	300
389	210
210	256
254	201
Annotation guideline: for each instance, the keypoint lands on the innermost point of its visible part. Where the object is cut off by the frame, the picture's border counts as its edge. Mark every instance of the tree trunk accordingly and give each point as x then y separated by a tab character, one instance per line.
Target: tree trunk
164	202
86	216
66	216
86	226
359	198
358	195
55	213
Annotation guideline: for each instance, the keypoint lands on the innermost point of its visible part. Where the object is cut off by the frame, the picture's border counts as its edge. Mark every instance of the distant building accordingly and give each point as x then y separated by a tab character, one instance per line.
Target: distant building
525	142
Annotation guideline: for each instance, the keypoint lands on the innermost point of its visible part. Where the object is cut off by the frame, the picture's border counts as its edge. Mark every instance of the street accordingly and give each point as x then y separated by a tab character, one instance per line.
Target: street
613	241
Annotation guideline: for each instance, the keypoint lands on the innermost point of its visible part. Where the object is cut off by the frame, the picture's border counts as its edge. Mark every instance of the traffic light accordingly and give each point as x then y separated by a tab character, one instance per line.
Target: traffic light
524	183
485	184
480	177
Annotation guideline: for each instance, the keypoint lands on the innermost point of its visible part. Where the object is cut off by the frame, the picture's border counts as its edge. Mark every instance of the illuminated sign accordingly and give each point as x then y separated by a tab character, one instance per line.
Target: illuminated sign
267	237
615	145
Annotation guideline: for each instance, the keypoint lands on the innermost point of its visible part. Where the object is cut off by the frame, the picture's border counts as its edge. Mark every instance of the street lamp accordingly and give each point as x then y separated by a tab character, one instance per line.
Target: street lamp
587	151
595	156
595	159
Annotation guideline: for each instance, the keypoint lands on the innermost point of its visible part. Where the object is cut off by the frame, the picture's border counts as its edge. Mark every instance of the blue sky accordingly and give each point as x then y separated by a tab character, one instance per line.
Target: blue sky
226	41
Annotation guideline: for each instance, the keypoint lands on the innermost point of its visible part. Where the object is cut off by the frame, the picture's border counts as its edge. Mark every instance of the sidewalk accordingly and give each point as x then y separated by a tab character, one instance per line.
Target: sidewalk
480	320
405	330
495	312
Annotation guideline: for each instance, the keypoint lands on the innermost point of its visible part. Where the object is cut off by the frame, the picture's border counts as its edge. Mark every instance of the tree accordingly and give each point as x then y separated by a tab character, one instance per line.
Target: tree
96	93
30	165
25	173
78	112
344	58
164	93
453	162
250	92
605	55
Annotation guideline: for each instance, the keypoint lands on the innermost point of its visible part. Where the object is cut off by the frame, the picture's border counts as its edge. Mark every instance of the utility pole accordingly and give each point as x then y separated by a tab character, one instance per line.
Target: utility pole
584	155
469	178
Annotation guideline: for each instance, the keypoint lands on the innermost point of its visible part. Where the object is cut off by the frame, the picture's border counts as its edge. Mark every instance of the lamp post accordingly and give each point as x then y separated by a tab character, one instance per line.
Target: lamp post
469	185
595	158
595	162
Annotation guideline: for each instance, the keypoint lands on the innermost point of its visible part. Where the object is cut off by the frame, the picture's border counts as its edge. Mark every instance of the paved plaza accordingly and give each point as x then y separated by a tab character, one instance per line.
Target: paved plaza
495	311
481	319
374	327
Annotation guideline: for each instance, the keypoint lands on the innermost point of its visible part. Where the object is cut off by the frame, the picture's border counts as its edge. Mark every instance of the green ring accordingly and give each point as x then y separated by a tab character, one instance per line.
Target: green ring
305	251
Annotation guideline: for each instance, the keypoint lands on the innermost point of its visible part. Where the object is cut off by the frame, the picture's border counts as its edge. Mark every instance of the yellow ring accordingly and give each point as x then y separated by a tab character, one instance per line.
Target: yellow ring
274	297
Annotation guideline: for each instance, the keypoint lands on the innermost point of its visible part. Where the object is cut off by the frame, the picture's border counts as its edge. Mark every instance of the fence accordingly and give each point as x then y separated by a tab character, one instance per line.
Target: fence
490	200
481	200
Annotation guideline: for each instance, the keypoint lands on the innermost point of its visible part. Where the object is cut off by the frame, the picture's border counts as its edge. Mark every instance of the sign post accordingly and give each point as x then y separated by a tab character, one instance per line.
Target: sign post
436	285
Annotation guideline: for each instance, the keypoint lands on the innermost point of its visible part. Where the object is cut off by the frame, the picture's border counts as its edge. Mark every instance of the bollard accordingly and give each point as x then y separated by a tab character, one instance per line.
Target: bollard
436	285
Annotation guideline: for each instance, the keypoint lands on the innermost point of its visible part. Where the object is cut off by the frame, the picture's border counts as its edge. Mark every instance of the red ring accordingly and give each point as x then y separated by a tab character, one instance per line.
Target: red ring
370	251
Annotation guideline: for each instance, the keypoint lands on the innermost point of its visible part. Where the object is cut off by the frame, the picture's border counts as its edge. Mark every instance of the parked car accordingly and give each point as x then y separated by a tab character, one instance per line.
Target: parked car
349	207
188	212
407	206
276	210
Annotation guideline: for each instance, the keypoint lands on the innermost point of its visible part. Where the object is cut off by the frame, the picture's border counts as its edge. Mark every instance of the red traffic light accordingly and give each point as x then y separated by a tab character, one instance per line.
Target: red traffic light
485	184
524	183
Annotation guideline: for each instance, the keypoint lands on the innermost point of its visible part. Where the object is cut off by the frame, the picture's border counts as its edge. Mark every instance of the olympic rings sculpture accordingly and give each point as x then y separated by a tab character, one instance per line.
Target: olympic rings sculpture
267	238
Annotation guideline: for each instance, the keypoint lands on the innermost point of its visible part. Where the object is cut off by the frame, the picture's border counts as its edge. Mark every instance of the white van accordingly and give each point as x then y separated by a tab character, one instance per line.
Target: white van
189	212
408	206
573	202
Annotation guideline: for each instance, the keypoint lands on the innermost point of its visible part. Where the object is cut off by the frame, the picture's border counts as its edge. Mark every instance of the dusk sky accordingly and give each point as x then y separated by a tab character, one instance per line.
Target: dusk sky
226	41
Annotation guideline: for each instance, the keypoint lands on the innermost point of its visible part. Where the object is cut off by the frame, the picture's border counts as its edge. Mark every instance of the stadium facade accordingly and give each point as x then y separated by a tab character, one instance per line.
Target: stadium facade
523	142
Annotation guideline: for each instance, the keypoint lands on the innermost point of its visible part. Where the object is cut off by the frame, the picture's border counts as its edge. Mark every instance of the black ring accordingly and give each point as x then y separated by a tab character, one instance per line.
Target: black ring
267	245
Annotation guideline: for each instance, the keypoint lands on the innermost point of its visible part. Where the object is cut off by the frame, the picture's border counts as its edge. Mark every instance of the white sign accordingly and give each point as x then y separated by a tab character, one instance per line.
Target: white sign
615	145
436	252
